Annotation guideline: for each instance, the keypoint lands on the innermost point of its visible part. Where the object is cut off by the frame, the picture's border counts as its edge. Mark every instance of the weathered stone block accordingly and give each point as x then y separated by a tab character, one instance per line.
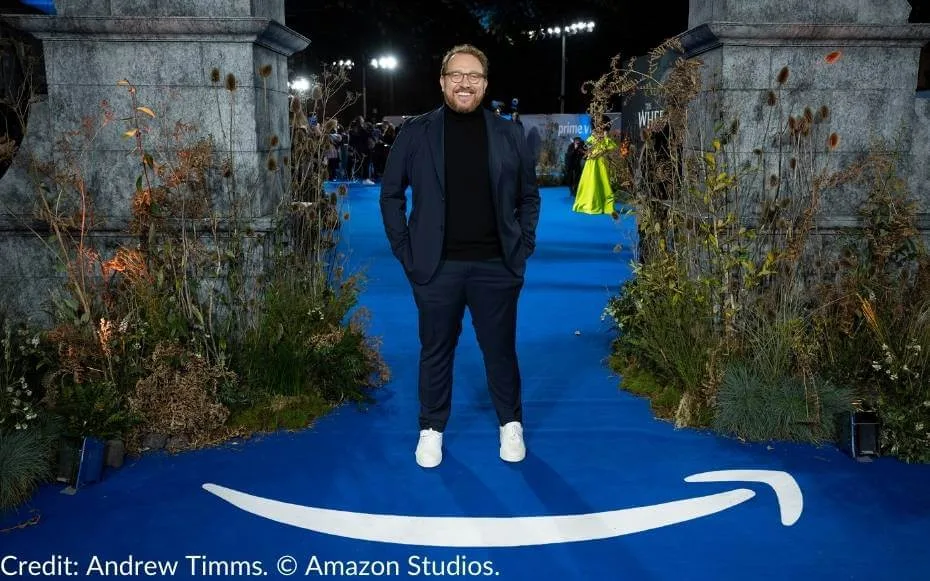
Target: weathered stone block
82	7
167	49
133	7
273	9
820	12
869	90
856	68
919	178
746	67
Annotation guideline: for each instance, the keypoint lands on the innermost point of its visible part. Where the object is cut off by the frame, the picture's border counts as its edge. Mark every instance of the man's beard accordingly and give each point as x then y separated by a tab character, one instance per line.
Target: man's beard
455	106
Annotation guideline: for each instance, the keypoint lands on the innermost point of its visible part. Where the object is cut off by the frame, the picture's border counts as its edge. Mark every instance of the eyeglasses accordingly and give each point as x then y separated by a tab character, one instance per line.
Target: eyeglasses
458	77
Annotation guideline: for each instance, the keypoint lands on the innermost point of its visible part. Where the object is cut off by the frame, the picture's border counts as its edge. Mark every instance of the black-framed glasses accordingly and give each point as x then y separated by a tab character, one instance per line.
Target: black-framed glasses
458	77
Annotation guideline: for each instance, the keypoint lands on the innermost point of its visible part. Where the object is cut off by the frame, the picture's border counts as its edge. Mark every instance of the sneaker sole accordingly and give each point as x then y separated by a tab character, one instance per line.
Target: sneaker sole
423	464
516	458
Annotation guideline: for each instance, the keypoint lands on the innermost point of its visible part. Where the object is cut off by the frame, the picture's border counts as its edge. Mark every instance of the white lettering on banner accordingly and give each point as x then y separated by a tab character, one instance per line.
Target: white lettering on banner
646	117
574	130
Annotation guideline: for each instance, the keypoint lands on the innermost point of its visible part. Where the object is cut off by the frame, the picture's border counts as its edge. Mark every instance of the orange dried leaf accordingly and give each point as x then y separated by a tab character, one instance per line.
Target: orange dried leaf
833	57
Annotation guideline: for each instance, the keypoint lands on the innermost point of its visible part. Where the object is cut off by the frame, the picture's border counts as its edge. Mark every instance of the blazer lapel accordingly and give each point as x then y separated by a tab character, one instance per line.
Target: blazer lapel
434	134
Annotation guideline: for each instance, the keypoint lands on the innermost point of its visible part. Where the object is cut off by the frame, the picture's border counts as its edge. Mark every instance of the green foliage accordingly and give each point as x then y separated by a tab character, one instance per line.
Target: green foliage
20	387
191	313
302	346
752	408
27	432
26	460
668	323
905	429
874	324
275	412
778	342
664	397
900	378
92	408
738	301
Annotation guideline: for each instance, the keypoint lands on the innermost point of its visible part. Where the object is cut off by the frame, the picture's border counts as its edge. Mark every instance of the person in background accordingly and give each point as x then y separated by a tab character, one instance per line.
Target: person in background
345	158
360	144
471	229
331	149
385	138
574	163
594	194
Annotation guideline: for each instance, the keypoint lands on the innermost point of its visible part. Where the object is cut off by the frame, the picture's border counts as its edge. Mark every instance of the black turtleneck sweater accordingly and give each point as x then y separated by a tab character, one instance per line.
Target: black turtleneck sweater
471	223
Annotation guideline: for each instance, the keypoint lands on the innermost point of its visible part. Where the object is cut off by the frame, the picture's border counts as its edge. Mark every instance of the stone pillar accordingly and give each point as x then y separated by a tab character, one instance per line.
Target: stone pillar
869	83
179	54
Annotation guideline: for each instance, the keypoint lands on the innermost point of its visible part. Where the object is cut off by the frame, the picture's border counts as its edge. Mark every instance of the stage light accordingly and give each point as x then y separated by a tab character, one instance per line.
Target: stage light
563	31
300	84
385	62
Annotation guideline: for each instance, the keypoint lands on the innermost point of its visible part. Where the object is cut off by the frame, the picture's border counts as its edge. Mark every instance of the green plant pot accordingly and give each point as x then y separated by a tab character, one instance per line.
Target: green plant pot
80	461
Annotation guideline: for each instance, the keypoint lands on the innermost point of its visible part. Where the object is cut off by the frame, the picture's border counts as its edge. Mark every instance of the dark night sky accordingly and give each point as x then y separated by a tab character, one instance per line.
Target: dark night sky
419	32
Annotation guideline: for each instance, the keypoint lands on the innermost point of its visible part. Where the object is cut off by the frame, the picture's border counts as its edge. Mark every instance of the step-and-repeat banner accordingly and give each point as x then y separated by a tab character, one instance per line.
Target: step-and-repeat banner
549	136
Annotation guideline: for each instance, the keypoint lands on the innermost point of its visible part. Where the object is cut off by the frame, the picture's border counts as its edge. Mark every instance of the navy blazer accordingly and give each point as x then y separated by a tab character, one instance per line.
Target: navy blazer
417	160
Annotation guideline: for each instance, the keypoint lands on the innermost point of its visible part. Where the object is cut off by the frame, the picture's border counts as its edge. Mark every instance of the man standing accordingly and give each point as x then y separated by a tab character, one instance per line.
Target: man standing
574	163
471	229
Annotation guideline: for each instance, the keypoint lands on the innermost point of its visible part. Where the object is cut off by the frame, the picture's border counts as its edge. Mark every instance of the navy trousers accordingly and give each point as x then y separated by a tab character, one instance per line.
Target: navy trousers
490	291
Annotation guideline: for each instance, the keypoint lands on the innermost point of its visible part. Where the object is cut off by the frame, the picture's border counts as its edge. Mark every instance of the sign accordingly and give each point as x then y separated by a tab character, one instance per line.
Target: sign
644	106
548	137
523	531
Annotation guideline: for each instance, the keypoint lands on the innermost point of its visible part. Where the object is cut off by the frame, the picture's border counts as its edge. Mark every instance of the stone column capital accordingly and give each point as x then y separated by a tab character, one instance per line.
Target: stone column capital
716	34
262	31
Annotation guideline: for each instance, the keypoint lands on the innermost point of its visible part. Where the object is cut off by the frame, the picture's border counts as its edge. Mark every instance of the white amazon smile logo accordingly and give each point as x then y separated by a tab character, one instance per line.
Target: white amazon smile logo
438	531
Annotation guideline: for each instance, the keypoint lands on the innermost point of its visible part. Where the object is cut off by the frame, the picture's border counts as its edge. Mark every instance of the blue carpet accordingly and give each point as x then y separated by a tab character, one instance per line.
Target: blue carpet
592	448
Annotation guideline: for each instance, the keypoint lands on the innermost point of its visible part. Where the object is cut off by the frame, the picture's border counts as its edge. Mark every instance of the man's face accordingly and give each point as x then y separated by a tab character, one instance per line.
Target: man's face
465	95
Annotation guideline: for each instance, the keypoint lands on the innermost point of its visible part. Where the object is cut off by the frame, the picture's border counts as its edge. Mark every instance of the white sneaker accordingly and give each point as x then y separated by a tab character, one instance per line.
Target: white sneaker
429	448
512	447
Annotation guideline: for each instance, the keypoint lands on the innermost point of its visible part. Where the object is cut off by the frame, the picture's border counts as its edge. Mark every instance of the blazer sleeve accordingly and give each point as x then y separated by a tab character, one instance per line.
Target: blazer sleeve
528	201
393	198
